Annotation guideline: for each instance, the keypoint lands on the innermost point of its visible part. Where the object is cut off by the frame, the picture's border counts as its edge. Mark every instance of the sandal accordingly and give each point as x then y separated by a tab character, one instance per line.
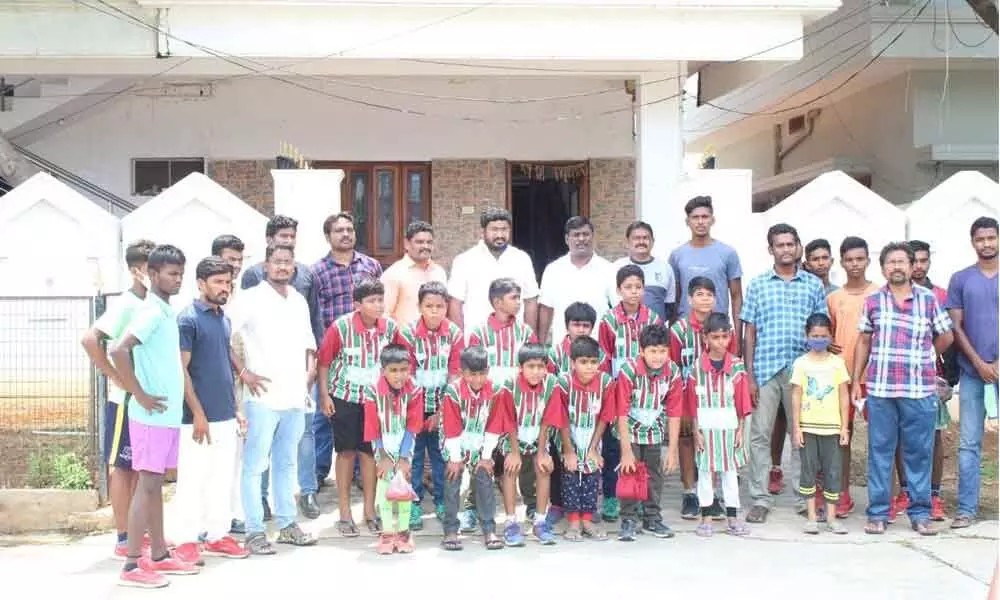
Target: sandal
451	544
294	535
348	529
573	534
875	527
961	522
757	514
589	529
374	526
704	530
738	528
492	542
924	528
257	544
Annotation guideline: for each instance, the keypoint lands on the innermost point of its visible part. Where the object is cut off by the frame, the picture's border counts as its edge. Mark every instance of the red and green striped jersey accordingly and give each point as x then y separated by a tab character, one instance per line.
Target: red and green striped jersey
502	340
646	398
390	413
351	351
560	362
719	400
523	406
464	416
579	407
618	334
686	344
434	358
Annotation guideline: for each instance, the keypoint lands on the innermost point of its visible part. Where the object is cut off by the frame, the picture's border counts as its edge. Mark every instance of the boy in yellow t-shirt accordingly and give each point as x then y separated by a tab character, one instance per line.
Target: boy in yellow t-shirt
820	404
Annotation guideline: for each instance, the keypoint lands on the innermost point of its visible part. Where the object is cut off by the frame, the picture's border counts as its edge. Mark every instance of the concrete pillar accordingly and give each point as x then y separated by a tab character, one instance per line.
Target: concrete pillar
660	154
309	196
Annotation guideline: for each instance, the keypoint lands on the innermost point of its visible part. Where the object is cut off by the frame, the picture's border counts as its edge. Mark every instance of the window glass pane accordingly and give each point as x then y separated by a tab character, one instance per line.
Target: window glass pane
359	207
150	177
385	207
179	169
415	209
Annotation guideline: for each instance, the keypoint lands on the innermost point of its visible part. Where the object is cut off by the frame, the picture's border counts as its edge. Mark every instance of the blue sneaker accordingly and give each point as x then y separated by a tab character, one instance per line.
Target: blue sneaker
512	535
543	532
468	522
627	531
660	529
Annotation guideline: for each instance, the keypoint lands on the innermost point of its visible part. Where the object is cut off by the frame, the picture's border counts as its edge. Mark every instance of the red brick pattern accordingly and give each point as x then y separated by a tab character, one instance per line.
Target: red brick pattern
612	203
250	180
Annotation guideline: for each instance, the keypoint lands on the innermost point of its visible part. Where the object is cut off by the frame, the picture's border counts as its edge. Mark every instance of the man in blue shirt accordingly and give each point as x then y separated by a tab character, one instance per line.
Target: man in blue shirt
777	305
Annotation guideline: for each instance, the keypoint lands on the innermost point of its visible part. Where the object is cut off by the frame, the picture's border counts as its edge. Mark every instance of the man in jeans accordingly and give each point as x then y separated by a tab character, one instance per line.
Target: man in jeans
273	321
972	304
903	329
775	312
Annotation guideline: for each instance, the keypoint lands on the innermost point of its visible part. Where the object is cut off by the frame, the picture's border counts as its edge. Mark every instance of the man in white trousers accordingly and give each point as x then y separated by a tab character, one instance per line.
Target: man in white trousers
213	425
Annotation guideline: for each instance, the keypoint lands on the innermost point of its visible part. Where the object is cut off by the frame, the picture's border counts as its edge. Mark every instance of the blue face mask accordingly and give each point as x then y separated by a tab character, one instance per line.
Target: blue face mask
818	344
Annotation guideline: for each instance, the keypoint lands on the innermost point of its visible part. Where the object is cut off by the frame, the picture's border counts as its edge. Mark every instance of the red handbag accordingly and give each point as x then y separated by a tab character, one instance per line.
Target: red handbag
634	485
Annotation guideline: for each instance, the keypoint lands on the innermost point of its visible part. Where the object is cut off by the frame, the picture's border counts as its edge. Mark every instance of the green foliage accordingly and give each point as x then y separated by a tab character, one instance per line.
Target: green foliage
58	469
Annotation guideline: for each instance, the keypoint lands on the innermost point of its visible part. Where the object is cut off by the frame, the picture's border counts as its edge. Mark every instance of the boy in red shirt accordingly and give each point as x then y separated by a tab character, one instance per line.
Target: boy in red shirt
502	334
649	390
394	414
466	409
347	362
581	408
434	343
522	403
581	318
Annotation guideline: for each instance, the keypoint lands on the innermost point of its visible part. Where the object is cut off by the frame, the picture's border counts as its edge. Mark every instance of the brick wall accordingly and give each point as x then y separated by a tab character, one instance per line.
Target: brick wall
250	180
458	183
612	203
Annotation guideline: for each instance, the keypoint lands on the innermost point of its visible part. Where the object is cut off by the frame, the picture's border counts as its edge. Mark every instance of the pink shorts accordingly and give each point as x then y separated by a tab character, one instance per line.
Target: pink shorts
154	448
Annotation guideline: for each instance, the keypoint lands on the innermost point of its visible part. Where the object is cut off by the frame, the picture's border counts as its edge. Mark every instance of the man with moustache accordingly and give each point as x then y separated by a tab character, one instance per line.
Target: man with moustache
273	320
212	424
903	330
777	305
403	279
660	291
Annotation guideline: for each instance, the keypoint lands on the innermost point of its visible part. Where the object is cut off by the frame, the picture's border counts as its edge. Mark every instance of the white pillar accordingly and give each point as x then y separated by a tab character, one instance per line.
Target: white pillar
660	155
308	196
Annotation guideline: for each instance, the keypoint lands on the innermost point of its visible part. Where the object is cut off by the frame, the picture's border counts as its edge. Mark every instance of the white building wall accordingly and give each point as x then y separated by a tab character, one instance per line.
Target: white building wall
249	118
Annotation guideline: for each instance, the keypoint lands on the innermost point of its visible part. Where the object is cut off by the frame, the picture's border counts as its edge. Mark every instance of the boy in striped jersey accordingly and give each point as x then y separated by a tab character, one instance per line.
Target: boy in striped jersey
466	410
502	334
521	403
435	344
348	361
686	347
649	390
581	318
618	335
581	408
394	414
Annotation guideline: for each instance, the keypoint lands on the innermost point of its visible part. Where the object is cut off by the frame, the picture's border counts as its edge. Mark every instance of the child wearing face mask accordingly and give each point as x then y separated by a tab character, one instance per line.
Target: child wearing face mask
820	403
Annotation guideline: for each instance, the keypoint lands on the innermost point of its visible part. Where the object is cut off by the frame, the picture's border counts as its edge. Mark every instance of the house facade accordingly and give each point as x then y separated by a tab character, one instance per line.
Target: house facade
900	95
431	109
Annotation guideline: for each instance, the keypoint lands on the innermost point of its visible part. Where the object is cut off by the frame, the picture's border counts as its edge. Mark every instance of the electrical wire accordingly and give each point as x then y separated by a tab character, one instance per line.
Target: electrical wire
954	32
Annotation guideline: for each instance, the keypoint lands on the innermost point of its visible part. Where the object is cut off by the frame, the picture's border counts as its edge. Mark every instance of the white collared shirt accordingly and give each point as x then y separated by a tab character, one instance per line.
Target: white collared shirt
276	334
474	270
563	283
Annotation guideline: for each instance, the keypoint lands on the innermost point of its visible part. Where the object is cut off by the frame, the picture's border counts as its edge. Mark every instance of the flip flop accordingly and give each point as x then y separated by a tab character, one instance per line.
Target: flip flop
573	534
875	527
348	529
452	545
492	542
592	531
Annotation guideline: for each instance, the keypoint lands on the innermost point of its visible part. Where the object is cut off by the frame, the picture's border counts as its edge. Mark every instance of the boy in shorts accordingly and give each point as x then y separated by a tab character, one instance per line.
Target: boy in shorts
347	362
117	449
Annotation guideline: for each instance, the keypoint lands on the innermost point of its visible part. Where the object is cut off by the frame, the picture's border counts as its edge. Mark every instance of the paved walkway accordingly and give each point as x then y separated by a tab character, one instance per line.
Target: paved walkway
775	561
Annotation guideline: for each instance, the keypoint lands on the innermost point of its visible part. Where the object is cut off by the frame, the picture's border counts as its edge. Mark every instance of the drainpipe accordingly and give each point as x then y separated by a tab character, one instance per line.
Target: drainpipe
162	33
779	152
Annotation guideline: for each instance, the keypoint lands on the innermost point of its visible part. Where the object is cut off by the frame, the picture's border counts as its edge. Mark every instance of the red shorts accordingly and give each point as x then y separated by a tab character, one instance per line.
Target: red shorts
864	411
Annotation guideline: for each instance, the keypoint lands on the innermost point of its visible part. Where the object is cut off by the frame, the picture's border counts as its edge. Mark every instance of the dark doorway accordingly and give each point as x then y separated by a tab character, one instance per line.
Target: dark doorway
542	197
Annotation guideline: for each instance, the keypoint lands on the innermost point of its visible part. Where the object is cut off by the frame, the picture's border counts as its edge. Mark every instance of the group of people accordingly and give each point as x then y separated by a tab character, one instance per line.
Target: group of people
632	369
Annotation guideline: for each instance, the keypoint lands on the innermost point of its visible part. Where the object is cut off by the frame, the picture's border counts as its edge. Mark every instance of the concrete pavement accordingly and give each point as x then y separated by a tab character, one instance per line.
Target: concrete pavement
776	560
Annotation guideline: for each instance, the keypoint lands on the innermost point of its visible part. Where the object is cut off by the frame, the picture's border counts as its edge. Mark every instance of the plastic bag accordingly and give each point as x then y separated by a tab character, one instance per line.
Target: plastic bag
400	489
634	485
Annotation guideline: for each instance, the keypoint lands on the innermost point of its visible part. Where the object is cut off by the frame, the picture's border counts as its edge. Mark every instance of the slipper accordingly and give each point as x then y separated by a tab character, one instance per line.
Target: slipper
757	514
573	534
374	525
452	545
875	527
348	529
593	531
492	542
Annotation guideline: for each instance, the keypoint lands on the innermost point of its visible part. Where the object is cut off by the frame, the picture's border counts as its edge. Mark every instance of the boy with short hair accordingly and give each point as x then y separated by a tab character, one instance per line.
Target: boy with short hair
687	344
435	344
347	362
503	334
648	388
581	318
521	402
466	406
580	409
717	401
394	414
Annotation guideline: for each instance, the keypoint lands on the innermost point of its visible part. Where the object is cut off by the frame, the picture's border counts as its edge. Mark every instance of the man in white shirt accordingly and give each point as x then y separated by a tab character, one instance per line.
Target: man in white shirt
490	259
579	276
273	321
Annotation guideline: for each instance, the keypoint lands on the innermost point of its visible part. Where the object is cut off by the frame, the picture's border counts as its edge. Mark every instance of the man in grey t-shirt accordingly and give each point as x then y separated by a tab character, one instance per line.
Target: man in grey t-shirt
661	291
706	257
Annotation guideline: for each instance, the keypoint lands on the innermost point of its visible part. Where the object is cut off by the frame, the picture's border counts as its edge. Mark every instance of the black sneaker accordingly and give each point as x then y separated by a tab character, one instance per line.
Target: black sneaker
690	509
237	527
717	511
627	531
659	529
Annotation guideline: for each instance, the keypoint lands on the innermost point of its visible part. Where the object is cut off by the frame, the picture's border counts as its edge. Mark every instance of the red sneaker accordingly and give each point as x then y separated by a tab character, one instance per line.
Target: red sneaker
170	565
120	552
189	553
845	505
937	509
775	481
404	543
386	543
227	547
142	578
893	510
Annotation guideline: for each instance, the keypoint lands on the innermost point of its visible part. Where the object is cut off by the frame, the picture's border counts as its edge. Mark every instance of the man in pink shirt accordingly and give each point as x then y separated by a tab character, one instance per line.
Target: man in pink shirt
403	279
